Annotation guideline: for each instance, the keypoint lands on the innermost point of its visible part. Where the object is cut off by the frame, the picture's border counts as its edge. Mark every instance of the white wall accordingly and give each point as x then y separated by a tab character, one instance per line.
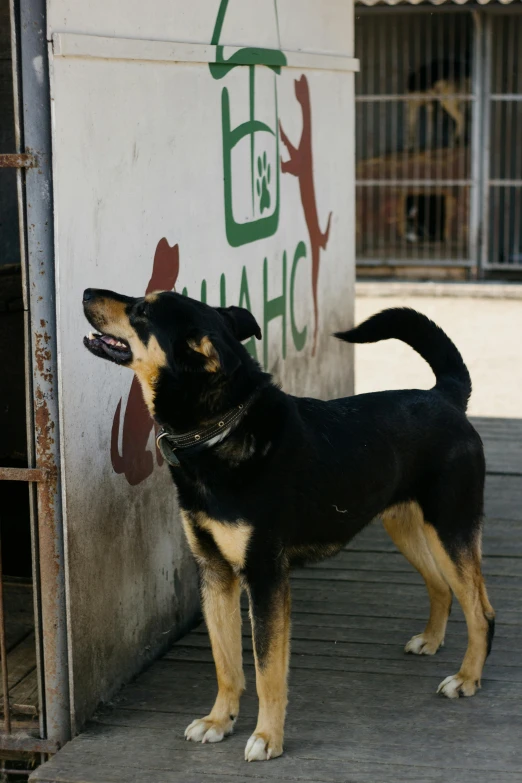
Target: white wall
138	155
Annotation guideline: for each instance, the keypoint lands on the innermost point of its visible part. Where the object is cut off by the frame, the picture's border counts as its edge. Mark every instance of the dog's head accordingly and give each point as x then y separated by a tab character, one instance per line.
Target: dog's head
165	333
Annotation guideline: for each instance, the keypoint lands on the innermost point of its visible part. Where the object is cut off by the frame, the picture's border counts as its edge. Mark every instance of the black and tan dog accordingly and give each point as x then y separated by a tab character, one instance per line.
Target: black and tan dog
267	480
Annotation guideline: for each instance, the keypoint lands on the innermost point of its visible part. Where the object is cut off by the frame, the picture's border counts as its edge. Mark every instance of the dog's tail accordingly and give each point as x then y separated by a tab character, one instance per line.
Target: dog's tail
426	338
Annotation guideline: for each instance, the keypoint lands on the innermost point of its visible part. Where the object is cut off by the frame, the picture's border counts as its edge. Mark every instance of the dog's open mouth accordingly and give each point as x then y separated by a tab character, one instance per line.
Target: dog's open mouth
108	347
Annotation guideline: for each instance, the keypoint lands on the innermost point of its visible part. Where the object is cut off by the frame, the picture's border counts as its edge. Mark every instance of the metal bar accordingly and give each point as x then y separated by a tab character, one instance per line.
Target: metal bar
417	59
370	119
430	134
410	9
517	163
3	652
436	204
445	44
412	96
402	109
414	182
503	10
26	743
464	164
455	262
402	113
504	267
17	160
508	96
509	65
380	74
477	111
22	474
497	150
394	60
40	260
18	128
20	183
486	139
506	183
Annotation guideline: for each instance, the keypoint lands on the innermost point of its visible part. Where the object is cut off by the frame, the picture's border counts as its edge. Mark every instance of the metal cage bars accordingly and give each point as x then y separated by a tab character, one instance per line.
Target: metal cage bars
425	195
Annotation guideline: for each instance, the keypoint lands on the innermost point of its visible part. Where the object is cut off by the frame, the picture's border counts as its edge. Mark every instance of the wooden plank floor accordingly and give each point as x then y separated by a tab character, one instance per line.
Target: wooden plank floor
21	652
360	709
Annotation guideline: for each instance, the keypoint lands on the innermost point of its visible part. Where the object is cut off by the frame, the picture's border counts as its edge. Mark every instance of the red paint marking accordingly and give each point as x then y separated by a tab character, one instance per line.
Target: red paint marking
300	164
135	460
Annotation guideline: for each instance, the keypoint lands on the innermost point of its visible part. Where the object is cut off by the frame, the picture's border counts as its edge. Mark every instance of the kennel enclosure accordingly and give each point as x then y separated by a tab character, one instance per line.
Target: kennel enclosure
438	122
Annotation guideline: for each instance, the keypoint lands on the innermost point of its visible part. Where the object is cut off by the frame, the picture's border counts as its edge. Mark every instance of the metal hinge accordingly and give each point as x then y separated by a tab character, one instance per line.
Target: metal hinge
17	160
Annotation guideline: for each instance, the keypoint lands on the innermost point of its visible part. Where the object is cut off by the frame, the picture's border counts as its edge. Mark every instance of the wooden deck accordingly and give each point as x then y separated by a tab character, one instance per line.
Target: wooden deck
360	709
21	653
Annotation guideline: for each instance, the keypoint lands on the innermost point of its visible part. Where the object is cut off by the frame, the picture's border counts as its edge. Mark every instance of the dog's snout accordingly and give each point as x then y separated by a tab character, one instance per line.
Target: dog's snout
88	294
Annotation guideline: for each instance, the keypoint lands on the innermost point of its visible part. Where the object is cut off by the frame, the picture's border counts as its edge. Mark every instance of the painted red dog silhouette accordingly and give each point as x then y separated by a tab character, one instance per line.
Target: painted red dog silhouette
300	165
136	461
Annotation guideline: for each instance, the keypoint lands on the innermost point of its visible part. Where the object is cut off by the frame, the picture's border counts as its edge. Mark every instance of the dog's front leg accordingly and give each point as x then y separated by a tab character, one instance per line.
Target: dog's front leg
220	593
270	615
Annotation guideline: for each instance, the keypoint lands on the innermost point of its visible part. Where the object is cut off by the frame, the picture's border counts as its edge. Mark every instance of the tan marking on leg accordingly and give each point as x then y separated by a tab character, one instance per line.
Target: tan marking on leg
220	594
191	537
231	539
404	524
221	608
466	581
206	348
271	681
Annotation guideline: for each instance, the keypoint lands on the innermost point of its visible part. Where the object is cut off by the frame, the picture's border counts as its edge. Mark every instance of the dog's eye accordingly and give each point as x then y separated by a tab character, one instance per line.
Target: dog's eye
142	309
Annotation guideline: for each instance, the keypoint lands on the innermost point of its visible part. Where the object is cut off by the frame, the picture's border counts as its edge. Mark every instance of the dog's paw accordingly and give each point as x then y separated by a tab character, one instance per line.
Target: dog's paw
422	645
208	730
260	747
456	685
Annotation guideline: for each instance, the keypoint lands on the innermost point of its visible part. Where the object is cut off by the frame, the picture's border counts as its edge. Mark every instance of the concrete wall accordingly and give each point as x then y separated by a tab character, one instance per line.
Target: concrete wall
152	184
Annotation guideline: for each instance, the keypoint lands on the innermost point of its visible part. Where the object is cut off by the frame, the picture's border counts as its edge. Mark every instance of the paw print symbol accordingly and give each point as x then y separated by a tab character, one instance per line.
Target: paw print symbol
263	181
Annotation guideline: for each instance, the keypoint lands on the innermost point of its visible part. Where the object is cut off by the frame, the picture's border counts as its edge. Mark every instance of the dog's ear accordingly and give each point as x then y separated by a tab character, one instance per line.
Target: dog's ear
218	356
241	322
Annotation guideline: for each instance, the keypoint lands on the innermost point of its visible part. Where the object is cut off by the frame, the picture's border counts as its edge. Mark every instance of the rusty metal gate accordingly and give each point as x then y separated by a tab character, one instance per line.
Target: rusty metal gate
439	118
39	722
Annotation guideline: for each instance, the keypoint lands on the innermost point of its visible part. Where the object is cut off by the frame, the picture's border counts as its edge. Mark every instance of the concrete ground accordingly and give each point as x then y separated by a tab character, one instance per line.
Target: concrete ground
485	325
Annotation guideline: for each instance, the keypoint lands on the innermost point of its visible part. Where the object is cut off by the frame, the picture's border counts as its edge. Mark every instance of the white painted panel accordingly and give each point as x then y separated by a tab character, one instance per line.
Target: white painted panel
140	149
300	25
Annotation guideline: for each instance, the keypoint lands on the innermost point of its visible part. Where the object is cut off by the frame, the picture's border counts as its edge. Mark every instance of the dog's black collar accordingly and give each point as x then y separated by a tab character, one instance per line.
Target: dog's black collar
169	442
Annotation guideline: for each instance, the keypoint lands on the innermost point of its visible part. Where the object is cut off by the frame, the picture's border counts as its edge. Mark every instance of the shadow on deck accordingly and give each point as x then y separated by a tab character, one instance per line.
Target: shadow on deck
360	709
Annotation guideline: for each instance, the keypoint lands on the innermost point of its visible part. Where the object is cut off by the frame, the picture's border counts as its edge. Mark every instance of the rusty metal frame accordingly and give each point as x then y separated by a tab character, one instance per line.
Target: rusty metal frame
32	160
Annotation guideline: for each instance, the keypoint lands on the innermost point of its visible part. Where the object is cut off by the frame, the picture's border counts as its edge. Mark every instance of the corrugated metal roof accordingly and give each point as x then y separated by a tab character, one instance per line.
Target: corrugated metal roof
435	2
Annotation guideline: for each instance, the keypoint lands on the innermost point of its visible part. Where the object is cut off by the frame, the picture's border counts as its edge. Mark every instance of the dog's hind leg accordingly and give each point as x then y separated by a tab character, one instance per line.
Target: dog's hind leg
459	559
405	525
270	616
220	592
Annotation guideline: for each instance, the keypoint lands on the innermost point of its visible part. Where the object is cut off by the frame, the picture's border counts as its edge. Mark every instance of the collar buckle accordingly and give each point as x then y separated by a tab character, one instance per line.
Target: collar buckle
167	450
